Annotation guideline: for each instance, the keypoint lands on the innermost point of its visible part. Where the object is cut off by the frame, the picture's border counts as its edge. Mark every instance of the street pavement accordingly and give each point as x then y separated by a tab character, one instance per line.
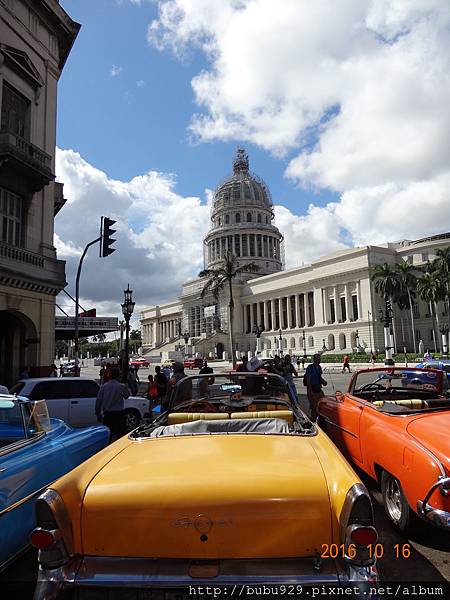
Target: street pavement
429	559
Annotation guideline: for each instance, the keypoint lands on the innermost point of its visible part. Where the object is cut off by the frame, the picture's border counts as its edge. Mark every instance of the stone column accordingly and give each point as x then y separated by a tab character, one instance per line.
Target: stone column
297	311
266	315
280	312
252	323
337	304
289	313
272	310
358	295
258	314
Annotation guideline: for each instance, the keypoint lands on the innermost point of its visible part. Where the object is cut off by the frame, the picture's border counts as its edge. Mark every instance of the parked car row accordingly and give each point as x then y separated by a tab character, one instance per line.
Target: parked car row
282	483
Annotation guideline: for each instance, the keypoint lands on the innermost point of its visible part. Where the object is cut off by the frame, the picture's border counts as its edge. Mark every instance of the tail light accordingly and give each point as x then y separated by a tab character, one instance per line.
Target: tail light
363	536
357	531
42	539
53	534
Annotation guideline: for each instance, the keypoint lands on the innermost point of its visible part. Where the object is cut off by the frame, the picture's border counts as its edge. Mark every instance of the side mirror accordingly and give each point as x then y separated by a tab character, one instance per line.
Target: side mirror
339	396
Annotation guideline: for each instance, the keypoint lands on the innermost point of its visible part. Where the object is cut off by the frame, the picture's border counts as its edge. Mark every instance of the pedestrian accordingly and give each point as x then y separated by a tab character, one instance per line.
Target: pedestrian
346	364
303	362
243	368
289	373
4	390
53	371
205	370
133	381
106	372
161	383
152	393
314	381
298	363
182	393
373	358
167	371
109	406
61	369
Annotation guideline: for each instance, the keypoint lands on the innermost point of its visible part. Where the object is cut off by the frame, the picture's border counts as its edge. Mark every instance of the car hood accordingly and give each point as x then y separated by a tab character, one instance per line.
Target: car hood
209	496
432	432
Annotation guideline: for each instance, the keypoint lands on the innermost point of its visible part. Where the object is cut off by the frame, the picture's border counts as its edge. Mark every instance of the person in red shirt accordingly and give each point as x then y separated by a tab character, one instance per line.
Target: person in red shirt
346	364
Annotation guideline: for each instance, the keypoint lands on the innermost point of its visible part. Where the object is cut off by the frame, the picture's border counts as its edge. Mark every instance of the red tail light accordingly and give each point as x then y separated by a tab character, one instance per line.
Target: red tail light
42	539
364	536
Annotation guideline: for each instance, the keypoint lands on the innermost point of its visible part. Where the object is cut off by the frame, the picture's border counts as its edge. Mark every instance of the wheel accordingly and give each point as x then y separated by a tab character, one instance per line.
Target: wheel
132	419
395	503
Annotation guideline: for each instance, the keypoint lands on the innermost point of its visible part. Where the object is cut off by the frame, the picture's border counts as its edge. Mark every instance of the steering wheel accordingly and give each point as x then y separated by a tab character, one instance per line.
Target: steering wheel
372	386
202	406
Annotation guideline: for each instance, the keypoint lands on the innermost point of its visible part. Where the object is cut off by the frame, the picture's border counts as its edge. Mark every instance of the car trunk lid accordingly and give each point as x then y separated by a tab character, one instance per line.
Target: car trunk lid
209	496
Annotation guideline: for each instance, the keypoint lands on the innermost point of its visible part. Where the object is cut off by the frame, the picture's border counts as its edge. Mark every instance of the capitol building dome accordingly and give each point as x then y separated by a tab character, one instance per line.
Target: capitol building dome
242	221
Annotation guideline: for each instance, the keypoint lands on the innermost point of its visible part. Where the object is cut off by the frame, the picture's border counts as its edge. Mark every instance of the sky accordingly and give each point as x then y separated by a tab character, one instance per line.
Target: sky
343	108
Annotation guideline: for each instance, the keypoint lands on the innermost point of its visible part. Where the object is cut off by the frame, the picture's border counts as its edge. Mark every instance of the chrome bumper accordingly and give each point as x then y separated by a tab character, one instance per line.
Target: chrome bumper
440	518
93	573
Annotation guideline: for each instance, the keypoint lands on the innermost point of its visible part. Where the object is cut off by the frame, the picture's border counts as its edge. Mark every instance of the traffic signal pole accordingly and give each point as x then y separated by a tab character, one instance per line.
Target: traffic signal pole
106	242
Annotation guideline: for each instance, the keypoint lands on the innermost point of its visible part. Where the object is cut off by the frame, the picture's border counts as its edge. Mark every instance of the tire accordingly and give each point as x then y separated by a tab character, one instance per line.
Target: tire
395	503
132	419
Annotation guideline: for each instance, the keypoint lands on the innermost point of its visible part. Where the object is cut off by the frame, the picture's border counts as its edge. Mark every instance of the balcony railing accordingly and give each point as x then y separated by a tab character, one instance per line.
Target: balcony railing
21	255
31	160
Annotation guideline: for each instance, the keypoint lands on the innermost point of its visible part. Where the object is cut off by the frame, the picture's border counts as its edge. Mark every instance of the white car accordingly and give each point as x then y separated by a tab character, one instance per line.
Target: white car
72	399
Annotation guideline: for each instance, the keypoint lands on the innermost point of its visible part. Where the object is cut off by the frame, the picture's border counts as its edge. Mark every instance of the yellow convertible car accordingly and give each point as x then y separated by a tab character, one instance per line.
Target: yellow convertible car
232	485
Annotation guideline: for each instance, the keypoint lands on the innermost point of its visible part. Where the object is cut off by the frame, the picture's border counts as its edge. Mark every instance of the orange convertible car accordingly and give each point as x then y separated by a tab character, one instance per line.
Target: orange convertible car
394	423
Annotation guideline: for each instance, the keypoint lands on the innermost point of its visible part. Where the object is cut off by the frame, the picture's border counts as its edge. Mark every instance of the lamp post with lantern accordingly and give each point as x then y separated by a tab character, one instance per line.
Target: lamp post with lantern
304	344
258	331
280	338
127	311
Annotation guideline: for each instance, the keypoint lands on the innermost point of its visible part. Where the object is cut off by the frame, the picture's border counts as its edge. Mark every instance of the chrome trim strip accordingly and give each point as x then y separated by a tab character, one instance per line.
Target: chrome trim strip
430	454
440	518
20	443
23	500
330	422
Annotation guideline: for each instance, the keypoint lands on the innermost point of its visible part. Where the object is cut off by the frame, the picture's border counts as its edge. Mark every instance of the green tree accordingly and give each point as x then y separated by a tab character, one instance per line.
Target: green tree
442	265
432	289
387	285
407	282
221	277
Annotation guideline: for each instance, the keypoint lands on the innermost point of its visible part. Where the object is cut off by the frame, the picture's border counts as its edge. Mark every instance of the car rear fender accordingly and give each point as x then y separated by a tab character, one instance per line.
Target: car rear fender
138	403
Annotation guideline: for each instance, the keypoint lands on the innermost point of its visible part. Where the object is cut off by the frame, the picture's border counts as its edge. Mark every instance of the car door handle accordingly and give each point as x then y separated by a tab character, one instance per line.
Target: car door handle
74	402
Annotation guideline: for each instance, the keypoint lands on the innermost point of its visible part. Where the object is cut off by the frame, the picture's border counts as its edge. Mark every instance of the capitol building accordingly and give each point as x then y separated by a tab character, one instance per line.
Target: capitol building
328	305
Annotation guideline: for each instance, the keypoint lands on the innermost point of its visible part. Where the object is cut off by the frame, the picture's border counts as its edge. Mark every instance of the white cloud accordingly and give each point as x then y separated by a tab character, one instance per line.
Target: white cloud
115	71
359	92
155	250
140	83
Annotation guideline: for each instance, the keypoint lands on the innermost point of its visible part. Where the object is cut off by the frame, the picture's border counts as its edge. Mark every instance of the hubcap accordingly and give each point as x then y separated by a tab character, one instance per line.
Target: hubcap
394	499
131	421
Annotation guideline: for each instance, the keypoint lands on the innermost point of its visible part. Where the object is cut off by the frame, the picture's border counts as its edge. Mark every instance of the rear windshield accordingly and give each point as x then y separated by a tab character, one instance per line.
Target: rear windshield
17	387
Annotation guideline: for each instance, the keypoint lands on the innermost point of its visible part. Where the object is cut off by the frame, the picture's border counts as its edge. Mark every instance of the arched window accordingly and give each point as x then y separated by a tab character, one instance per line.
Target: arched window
249	217
267	345
342	341
292	344
219	221
284	343
310	342
227	219
238	217
353	339
267	220
259	217
331	344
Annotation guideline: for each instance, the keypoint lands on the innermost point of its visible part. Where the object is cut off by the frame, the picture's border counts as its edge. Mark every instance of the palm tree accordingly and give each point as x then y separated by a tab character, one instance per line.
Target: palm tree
222	276
442	265
431	289
387	285
407	282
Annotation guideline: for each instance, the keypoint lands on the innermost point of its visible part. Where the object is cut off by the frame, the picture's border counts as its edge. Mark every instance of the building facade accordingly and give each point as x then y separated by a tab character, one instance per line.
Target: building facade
36	37
328	305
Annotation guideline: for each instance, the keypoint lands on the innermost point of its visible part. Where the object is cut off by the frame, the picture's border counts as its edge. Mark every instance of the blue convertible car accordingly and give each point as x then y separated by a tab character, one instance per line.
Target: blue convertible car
34	451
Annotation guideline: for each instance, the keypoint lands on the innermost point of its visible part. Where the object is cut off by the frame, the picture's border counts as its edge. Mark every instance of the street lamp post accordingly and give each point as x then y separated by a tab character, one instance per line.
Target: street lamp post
357	341
280	337
324	347
258	331
127	311
369	316
304	343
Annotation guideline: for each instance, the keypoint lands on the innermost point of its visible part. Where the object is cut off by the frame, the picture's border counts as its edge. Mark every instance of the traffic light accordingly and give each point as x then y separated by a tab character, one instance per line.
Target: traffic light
106	240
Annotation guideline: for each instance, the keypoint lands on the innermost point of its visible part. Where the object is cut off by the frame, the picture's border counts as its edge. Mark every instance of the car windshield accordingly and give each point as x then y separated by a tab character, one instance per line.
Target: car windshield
233	403
399	380
21	420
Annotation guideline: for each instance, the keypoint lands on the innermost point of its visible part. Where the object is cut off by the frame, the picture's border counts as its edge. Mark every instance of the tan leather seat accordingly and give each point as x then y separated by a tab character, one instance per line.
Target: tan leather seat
176	418
411	403
287	415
